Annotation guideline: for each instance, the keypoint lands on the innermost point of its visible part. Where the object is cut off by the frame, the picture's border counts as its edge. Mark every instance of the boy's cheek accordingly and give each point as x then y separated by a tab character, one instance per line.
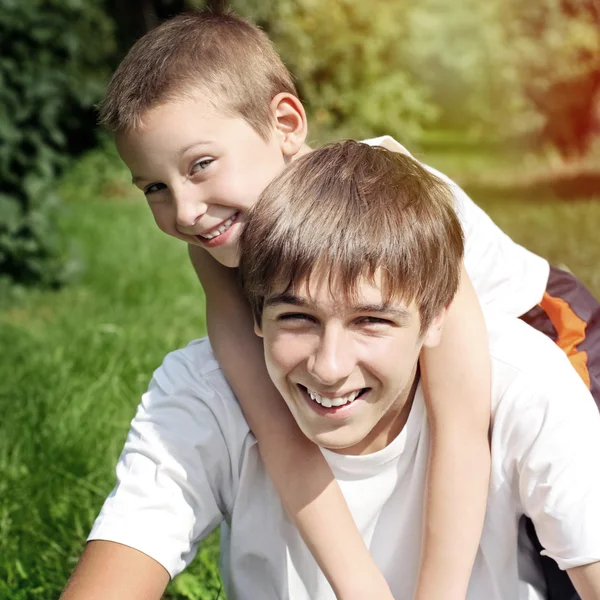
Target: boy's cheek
165	220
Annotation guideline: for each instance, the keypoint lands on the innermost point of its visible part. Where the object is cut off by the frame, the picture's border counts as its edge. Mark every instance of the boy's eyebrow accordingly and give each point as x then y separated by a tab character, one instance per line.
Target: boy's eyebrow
402	314
201	143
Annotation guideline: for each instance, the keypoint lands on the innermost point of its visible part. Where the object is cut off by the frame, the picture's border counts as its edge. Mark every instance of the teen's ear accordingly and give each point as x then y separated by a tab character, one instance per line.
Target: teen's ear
257	329
290	123
433	335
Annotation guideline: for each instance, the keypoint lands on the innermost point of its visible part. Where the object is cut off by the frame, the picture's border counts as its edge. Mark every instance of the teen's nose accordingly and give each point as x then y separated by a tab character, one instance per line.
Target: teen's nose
189	208
332	360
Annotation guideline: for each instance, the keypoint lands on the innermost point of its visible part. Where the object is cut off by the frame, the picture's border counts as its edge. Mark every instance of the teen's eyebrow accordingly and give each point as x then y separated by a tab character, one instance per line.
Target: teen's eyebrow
285	298
401	314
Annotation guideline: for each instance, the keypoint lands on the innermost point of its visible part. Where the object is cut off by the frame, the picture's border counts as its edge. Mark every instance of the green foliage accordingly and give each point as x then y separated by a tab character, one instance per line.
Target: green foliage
99	173
494	70
53	68
351	64
202	580
491	67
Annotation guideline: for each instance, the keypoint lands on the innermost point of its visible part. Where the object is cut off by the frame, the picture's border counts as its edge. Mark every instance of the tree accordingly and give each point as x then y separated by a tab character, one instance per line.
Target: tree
566	91
53	69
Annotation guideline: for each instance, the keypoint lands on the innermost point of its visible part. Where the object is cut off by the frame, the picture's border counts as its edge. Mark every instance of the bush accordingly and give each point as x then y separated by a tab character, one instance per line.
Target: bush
53	69
351	63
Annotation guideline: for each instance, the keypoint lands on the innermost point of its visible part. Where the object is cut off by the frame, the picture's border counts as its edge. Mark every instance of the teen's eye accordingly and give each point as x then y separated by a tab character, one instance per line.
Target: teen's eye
154	187
201	165
295	318
373	321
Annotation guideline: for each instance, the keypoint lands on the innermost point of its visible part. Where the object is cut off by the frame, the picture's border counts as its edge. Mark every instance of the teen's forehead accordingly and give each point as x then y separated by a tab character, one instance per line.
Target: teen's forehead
323	292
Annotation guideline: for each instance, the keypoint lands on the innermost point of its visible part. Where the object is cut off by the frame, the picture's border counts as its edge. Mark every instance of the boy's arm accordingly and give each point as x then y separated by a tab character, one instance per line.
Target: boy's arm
304	481
457	384
111	570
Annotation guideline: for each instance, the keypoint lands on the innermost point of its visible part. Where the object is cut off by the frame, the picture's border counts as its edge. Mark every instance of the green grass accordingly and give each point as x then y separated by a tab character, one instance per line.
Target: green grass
74	365
75	362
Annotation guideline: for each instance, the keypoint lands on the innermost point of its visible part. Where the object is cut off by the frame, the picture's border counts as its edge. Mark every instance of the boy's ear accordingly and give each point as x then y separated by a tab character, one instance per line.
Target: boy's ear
433	335
290	123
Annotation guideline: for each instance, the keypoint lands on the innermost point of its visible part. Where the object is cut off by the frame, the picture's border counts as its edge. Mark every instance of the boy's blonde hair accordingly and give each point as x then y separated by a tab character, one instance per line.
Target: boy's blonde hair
349	211
219	56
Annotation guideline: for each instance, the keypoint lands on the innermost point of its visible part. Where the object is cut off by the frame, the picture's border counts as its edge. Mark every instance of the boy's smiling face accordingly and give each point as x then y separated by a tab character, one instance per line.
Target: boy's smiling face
345	367
201	172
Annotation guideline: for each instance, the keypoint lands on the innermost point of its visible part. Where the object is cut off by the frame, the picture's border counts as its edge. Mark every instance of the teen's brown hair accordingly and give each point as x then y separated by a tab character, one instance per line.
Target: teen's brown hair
350	211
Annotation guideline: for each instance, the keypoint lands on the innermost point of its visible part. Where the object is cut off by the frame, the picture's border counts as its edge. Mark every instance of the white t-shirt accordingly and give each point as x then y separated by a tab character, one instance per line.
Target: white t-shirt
508	279
191	463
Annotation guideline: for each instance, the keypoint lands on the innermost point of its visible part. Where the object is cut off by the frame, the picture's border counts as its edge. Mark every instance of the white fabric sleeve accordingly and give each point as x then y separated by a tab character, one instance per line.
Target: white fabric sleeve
176	476
553	440
508	278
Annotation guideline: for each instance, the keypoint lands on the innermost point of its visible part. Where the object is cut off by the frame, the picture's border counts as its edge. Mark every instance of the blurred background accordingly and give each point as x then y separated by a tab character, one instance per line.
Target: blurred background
502	95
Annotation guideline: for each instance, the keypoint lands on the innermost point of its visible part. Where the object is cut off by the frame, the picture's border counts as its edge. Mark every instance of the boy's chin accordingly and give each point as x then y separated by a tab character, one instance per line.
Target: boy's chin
227	259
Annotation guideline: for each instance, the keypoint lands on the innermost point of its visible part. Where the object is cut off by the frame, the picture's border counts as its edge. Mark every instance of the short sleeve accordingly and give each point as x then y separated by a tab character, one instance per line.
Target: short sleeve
554	444
508	279
177	474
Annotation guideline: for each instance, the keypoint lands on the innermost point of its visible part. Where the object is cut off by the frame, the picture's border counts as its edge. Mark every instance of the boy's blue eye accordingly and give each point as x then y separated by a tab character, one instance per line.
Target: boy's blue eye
202	164
154	187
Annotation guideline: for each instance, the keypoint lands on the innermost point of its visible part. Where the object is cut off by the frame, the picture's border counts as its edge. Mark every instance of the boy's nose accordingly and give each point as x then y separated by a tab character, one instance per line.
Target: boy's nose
332	360
188	210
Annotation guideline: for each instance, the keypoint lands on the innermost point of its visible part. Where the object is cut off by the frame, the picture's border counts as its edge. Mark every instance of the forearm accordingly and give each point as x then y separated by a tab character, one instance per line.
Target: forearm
457	381
586	580
302	477
454	511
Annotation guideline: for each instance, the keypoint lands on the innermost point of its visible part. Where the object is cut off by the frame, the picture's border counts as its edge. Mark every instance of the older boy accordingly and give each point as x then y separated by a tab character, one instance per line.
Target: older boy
345	298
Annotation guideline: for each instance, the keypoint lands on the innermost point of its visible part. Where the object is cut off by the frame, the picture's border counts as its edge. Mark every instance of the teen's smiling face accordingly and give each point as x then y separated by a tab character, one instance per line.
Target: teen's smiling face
201	172
345	368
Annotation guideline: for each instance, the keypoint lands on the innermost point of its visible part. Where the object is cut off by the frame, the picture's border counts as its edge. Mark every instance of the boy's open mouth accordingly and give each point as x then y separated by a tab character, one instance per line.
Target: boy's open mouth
219	230
333	402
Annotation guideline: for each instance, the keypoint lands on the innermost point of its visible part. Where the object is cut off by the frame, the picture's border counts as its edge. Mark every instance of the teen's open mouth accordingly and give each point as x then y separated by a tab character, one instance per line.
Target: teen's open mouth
333	401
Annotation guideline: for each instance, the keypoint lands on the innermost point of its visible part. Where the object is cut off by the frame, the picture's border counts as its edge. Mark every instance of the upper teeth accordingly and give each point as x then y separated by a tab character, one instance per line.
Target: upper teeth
329	402
219	230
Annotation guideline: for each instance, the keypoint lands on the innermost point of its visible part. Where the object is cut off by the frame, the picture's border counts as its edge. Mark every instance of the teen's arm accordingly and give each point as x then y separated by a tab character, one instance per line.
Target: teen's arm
586	580
547	430
176	480
456	379
111	570
304	481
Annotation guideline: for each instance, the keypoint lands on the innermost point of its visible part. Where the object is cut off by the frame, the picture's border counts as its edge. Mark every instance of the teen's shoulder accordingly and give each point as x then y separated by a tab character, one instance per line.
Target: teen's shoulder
193	369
